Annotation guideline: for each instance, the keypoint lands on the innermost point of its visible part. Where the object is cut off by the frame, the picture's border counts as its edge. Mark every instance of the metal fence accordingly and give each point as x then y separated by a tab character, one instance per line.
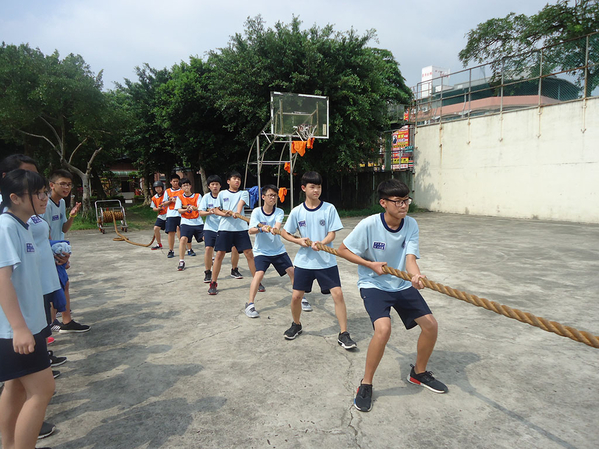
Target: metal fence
550	75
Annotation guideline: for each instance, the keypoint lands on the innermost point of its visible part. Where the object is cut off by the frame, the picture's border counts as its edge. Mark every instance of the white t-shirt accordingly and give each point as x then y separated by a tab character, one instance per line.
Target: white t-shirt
17	250
56	216
265	243
190	221
315	224
228	200
373	240
212	221
48	275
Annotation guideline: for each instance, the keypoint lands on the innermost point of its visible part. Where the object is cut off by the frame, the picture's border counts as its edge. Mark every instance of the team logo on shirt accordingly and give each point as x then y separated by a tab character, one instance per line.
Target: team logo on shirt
55	217
379	245
225	200
302	224
30	248
322	222
36	219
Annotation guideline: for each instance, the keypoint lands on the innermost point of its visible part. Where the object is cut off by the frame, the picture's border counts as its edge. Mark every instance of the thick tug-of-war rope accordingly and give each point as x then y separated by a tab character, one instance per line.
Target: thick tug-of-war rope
550	326
113	216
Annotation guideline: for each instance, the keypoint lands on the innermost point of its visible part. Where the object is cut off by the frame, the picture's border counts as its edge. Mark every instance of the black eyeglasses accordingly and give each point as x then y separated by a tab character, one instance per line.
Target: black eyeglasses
43	195
400	203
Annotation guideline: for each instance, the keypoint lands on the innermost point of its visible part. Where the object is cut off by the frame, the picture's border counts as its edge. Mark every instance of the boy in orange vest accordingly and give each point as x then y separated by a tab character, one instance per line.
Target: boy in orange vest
160	208
192	225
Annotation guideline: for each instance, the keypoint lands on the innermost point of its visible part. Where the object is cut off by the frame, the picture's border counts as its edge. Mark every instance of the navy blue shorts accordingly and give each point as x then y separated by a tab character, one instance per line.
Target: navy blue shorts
281	262
327	278
16	365
192	231
409	304
171	224
160	223
209	239
225	240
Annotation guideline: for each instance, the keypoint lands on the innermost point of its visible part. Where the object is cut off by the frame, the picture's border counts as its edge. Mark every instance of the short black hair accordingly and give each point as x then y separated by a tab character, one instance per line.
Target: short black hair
392	187
185	181
60	173
233	174
14	161
175	176
21	182
268	187
214	178
311	177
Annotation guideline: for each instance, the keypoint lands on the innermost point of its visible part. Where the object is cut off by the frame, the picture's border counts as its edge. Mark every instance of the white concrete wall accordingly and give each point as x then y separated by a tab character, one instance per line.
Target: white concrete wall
535	163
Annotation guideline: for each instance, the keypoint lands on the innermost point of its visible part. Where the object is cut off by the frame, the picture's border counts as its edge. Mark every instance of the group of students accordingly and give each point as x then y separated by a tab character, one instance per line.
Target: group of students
34	288
389	238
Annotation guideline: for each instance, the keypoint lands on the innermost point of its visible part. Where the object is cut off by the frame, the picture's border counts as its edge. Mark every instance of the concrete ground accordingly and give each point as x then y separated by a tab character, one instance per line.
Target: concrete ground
167	366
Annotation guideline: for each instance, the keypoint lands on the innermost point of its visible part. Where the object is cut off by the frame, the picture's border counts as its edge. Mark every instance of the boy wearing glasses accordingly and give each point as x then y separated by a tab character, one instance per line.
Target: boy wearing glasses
61	183
268	247
391	238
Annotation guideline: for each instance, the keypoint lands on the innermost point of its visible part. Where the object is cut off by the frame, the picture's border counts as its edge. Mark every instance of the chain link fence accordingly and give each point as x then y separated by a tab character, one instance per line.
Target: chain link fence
550	75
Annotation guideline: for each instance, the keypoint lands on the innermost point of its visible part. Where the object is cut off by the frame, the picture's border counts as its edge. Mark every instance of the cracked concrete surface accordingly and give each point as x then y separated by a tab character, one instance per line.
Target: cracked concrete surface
167	366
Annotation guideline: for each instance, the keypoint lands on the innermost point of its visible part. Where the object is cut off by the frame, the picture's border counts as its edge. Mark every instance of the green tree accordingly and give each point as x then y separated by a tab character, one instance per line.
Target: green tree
498	38
58	102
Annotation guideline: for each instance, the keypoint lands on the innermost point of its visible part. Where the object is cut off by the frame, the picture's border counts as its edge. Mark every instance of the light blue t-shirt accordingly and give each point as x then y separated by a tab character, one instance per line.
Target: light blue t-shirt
315	224
212	221
48	274
228	200
265	243
373	240
17	250
190	221
56	216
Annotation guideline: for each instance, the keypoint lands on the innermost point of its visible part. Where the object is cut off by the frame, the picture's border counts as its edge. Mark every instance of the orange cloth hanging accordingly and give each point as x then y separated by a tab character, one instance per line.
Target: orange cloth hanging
287	167
310	144
298	146
282	193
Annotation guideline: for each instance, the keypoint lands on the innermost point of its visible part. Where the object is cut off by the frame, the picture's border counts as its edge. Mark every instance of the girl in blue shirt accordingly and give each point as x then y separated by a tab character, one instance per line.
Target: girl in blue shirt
25	366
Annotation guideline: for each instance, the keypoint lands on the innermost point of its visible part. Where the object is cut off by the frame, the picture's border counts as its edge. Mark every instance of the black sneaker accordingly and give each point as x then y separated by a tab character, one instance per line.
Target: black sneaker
293	331
427	380
55	373
73	327
363	400
56	361
181	266
235	274
158	246
261	288
212	290
345	341
170	254
191	252
46	430
207	276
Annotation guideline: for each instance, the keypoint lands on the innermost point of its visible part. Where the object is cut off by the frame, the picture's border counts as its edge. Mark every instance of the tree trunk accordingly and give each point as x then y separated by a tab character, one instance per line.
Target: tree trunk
203	178
147	189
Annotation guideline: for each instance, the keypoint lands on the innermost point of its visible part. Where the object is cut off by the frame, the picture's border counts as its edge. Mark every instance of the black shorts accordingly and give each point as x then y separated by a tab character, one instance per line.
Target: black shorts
225	240
160	223
16	365
281	262
192	231
409	304
327	278
171	224
209	239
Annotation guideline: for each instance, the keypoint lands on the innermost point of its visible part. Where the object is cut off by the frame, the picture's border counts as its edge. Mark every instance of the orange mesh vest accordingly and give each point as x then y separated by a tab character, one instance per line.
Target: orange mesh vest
157	202
190	201
173	194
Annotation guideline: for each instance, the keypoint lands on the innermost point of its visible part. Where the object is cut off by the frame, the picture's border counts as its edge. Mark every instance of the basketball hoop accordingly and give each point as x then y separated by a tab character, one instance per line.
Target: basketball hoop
305	131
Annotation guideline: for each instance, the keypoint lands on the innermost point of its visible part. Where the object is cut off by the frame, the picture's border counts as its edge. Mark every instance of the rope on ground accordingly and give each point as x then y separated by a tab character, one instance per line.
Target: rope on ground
542	323
113	216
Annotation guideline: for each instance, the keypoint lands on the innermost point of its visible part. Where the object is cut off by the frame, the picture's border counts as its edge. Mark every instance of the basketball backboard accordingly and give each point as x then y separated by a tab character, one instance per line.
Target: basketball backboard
300	115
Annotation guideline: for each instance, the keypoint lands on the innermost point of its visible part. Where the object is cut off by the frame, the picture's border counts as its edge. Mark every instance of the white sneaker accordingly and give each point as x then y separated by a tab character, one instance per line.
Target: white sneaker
306	307
251	311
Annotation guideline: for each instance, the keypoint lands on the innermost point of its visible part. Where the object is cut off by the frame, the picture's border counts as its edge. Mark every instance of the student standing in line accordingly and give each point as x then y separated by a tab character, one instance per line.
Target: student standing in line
391	238
268	248
158	206
25	366
318	222
192	225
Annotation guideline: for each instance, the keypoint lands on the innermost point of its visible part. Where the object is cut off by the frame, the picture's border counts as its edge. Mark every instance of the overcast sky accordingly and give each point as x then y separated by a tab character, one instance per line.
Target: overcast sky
117	35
